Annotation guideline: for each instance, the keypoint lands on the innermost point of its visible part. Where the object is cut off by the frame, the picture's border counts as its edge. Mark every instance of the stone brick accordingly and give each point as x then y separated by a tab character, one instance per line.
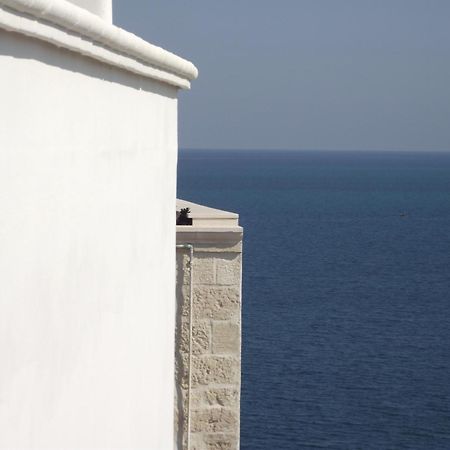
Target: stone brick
201	337
226	338
180	417
204	269
215	441
215	397
228	267
215	369
182	294
221	442
213	420
182	370
216	302
182	265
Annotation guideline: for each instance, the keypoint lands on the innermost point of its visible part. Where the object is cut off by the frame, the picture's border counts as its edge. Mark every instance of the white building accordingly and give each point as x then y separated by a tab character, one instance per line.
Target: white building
88	149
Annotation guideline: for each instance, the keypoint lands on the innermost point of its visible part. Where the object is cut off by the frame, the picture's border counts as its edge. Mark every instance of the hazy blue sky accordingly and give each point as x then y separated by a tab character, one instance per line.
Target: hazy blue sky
306	74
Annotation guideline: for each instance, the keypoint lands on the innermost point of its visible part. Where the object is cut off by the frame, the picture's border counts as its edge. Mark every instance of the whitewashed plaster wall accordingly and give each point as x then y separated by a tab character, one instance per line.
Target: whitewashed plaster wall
87	251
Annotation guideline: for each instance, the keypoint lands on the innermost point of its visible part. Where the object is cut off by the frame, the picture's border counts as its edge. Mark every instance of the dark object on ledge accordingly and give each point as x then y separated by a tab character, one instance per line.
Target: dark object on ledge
182	217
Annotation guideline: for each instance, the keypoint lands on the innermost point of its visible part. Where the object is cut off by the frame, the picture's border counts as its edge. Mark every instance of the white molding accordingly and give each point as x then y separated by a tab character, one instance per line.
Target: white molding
65	25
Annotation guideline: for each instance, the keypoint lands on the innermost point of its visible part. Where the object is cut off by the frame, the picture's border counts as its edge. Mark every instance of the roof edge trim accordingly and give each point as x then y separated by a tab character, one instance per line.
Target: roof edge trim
66	25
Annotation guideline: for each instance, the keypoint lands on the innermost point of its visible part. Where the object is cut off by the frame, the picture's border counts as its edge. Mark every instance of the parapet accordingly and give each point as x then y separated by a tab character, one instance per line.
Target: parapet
208	329
66	25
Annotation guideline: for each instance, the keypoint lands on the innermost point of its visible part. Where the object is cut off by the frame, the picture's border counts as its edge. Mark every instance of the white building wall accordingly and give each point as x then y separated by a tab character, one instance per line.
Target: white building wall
87	246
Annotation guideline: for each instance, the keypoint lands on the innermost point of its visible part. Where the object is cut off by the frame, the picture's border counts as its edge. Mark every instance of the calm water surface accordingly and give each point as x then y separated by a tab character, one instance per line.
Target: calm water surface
346	309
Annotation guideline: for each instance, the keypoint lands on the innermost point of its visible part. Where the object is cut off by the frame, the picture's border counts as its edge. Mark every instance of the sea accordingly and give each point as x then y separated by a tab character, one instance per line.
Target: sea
346	293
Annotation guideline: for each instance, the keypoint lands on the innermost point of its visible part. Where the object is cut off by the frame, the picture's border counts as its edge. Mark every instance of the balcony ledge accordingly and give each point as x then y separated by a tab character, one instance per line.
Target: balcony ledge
209	225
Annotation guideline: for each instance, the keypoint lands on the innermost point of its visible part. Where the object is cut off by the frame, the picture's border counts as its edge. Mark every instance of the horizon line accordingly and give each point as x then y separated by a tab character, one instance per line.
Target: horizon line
316	150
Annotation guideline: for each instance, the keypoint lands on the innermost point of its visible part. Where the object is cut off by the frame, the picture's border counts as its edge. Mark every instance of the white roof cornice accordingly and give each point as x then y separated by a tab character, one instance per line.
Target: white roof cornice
65	25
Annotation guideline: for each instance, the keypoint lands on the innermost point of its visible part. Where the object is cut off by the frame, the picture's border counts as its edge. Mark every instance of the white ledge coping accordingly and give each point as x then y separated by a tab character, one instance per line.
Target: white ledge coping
68	26
207	219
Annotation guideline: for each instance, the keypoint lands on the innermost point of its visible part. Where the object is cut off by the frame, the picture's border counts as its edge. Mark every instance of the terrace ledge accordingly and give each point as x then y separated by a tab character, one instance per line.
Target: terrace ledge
68	26
209	225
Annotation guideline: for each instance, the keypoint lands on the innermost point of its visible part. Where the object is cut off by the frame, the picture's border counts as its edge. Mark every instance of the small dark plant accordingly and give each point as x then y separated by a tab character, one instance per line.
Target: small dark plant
182	217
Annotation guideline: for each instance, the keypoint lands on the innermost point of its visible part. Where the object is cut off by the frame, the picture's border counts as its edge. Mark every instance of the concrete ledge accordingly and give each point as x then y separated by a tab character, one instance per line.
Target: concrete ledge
209	226
209	219
210	237
68	26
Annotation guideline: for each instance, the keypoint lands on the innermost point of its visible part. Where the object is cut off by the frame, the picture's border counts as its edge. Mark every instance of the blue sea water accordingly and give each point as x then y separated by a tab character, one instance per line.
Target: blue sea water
346	294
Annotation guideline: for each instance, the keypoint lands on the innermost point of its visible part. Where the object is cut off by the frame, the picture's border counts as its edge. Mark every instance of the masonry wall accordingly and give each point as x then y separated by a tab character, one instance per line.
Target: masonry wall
216	347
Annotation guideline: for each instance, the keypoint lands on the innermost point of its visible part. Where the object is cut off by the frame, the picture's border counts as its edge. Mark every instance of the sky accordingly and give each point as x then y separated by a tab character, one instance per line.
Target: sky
306	74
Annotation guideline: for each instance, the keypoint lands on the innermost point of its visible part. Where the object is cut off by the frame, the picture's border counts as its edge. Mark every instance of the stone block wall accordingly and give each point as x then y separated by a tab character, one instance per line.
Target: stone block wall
216	348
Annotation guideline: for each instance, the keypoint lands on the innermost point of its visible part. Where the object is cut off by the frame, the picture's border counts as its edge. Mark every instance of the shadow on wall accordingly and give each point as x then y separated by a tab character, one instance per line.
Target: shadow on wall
18	46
